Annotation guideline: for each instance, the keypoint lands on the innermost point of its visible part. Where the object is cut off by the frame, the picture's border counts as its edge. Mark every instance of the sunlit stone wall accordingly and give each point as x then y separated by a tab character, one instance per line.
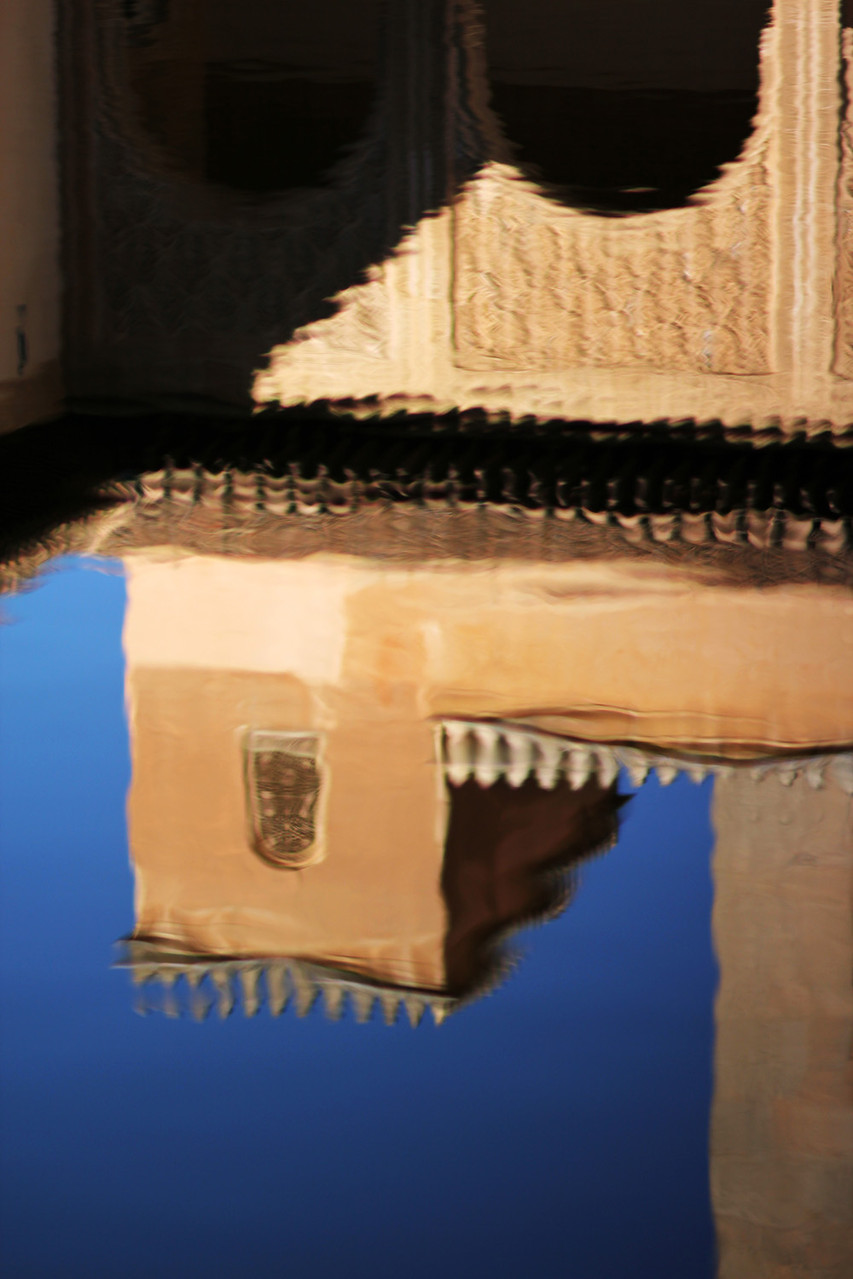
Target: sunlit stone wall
733	308
614	651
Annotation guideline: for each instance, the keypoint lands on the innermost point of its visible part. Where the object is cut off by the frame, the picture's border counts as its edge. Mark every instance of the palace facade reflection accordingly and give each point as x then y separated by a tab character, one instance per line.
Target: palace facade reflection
469	724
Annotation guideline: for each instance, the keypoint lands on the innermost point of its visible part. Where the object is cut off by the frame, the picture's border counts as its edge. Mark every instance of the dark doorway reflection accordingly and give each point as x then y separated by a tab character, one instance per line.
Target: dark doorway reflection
502	842
625	107
259	96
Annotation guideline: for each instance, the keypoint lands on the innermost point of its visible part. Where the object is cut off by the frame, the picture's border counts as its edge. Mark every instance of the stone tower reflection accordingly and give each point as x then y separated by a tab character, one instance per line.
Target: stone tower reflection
464	726
308	673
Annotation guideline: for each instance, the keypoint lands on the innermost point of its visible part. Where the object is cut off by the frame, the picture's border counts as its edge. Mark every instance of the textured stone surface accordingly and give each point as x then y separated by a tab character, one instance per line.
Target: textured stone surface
734	308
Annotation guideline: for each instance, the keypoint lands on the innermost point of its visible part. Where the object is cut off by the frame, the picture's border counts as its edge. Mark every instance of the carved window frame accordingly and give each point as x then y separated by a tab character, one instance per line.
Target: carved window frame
285	791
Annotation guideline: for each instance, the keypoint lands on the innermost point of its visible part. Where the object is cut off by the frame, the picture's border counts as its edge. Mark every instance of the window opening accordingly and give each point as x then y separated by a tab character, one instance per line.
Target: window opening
262	96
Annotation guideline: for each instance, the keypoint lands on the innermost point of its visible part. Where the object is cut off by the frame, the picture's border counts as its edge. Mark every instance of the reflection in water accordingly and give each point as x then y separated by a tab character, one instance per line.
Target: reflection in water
355	774
632	106
390	682
213	84
531	687
282	785
478	718
416	932
244	719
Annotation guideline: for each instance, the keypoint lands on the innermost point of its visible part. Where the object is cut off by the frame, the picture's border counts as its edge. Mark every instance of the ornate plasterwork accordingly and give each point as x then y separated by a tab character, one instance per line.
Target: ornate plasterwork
430	275
194	984
255	514
541	288
295	495
489	752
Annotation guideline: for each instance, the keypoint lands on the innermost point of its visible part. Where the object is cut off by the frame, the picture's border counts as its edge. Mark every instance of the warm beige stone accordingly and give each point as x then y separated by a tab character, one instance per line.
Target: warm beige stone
371	657
844	292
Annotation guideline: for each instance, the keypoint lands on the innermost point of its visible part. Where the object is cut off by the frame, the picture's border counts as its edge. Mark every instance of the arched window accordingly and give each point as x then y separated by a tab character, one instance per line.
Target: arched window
624	105
259	95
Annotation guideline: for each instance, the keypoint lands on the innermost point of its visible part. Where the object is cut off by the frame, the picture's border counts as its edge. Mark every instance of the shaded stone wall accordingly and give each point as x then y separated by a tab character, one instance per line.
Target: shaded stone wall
178	287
